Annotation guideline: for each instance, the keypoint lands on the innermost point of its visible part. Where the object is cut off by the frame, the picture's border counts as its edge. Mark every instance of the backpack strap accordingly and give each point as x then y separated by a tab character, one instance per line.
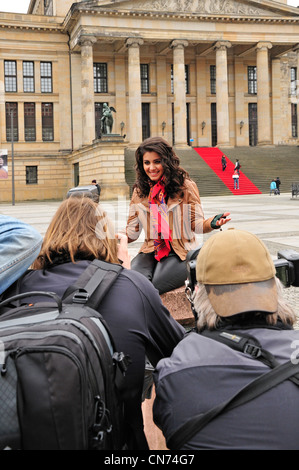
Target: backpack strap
255	388
93	284
246	344
90	289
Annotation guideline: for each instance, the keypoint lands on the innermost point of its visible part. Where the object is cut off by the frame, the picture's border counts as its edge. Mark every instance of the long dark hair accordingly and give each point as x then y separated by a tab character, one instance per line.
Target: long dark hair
174	174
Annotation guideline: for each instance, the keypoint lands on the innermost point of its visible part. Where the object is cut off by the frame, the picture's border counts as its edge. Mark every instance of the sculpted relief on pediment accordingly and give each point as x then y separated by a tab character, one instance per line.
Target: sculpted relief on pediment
217	7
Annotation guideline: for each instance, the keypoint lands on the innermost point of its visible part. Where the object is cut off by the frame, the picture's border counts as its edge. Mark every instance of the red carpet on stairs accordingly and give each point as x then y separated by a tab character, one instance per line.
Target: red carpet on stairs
212	157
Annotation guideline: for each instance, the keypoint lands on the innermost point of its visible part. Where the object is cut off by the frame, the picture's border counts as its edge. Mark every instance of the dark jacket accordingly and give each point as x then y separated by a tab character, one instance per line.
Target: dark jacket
202	373
140	325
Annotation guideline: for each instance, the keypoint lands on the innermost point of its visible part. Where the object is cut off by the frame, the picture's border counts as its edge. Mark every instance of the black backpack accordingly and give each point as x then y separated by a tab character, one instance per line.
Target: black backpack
60	382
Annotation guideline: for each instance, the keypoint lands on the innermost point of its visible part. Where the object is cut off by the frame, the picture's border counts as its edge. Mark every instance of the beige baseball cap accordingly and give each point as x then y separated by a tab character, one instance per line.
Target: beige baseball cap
240	263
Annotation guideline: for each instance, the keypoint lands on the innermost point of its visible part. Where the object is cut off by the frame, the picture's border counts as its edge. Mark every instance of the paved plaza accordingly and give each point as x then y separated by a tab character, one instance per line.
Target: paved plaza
275	219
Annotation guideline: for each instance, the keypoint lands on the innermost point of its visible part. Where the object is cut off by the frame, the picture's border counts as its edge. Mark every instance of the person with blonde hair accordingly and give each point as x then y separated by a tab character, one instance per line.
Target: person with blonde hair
141	326
244	331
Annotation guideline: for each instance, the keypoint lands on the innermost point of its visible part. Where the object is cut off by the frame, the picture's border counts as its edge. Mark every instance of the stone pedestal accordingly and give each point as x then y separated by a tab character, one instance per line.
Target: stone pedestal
110	138
179	306
105	162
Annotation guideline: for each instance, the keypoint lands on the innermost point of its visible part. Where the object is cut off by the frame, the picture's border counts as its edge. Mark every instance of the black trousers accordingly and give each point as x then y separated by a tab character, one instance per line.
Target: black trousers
167	274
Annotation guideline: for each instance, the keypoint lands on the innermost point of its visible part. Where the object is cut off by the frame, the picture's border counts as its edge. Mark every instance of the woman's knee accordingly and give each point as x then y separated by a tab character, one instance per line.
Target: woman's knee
144	263
169	274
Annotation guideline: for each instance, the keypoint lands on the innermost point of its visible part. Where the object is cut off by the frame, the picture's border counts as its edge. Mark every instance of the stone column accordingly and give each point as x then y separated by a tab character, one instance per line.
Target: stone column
263	93
279	119
87	89
241	108
179	92
222	93
135	117
120	96
162	98
203	110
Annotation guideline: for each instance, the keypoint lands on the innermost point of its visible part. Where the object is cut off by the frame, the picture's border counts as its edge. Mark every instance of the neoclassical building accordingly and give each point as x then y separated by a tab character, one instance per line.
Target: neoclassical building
198	72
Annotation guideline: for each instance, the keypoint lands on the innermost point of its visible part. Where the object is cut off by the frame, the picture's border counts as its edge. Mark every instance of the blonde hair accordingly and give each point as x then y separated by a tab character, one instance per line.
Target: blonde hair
80	229
208	318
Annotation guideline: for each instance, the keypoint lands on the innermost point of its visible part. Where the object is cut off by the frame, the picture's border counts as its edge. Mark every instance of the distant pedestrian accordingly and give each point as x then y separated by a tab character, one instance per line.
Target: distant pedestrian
237	166
223	162
236	177
94	182
278	183
273	187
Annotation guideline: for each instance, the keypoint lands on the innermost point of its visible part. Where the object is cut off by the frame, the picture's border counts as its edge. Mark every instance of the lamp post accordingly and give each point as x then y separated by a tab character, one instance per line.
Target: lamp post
12	158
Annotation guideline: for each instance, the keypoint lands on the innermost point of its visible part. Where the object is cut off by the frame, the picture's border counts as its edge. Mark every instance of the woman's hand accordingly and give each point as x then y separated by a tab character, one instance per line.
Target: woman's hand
223	219
220	220
123	253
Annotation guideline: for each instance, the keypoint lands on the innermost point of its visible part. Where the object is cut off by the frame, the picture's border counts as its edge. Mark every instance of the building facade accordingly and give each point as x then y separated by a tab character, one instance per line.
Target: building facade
198	72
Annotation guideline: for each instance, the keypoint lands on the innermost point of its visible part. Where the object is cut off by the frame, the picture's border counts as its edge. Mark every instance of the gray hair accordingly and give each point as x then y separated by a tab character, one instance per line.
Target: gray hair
208	318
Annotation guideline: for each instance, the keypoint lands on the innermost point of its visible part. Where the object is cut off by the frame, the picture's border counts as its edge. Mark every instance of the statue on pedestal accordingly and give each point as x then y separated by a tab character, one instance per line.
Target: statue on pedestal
107	119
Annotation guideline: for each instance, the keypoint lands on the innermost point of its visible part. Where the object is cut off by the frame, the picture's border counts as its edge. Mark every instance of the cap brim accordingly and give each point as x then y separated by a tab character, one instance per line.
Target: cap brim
228	300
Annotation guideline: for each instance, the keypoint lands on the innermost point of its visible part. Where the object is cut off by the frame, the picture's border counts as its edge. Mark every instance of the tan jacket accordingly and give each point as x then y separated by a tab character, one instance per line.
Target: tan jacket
185	220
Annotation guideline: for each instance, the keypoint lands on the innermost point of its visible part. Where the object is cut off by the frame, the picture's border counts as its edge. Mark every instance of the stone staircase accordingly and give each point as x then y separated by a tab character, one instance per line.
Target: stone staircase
260	165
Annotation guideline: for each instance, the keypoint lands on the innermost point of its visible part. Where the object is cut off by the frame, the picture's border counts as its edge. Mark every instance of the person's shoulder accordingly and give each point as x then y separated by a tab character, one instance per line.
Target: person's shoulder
191	187
136	278
190	184
136	197
140	283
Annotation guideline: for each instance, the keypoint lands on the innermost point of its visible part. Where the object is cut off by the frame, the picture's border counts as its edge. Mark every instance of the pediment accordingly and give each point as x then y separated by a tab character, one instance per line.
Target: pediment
235	8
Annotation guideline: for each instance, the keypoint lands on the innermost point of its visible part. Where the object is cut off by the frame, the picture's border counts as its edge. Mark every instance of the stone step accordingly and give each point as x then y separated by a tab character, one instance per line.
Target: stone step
260	165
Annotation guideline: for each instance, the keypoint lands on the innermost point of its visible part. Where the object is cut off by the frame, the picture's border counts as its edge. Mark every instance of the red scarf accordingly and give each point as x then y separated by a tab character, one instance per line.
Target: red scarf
159	220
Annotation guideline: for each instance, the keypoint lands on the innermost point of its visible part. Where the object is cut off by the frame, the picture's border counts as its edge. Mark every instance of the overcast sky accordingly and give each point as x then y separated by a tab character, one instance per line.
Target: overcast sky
21	6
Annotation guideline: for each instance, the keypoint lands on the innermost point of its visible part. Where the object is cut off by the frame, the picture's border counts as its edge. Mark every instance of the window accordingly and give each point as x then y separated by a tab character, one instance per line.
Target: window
47	122
252	82
46	77
186	78
213	79
28	77
293	80
145	121
100	78
144	75
29	122
48	7
11	109
10	75
294	120
76	173
31	174
214	135
253	124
